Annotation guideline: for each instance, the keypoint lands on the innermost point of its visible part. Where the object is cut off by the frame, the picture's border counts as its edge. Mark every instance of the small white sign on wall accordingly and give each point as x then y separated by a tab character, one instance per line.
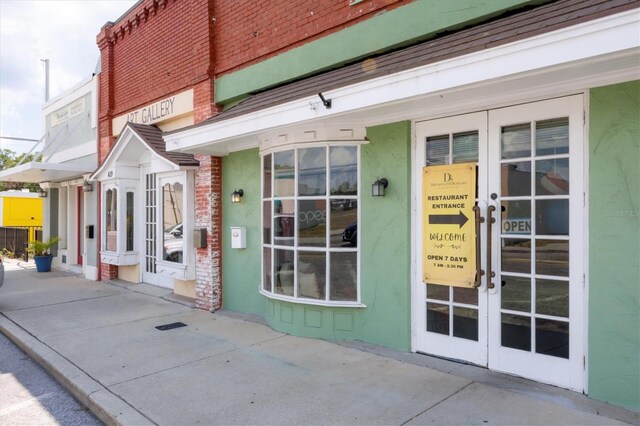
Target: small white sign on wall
63	114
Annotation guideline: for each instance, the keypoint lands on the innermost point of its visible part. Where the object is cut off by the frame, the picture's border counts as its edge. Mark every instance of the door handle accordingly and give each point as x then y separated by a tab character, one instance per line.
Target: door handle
490	221
479	271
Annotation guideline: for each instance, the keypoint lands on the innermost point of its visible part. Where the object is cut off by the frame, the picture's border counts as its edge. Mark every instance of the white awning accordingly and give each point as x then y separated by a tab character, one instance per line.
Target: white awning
39	172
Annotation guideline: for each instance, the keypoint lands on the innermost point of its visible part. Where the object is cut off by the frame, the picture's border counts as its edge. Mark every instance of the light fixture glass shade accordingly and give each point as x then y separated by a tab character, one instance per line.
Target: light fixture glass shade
377	189
87	186
236	196
42	193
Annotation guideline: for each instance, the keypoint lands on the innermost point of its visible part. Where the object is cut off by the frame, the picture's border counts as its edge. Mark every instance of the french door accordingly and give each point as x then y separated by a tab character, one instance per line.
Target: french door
525	317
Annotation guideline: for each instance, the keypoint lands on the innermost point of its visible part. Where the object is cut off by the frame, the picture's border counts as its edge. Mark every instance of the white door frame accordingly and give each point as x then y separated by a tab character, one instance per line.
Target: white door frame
558	371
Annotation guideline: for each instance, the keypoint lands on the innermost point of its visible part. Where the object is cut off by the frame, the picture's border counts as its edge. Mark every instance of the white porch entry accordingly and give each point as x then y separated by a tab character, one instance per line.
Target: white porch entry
527	316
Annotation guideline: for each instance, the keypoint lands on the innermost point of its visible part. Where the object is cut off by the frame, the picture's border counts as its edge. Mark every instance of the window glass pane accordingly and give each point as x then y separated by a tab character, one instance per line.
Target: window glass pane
552	298
552	136
516	332
112	219
172	209
516	255
516	294
266	222
129	221
266	269
283	269
266	176
516	217
552	338
344	170
344	223
312	225
283	222
552	257
516	141
284	179
438	318
344	276
312	274
438	292
437	150
468	296
465	148
465	323
552	177
312	171
552	217
516	179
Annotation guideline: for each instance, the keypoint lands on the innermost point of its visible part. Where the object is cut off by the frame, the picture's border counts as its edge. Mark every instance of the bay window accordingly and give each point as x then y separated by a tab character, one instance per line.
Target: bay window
310	224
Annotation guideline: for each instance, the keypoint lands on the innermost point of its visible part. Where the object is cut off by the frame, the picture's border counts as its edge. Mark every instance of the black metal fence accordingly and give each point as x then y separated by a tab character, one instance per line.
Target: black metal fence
15	239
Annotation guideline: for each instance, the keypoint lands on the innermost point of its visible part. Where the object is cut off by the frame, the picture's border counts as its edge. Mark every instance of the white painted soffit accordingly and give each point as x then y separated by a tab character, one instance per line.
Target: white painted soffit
38	172
598	52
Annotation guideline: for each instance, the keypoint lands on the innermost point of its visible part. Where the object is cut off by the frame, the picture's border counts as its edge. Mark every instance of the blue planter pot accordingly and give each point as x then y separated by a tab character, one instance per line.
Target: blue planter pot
43	263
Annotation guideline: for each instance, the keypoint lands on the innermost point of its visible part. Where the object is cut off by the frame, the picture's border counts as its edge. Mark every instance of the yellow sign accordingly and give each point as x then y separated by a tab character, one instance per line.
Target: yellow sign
448	240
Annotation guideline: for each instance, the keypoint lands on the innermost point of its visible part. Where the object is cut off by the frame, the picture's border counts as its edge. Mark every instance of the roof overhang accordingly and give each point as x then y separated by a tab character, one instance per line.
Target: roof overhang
598	52
38	172
128	150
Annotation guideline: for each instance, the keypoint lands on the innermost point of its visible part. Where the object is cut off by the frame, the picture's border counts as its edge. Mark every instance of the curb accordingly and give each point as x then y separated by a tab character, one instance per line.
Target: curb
109	408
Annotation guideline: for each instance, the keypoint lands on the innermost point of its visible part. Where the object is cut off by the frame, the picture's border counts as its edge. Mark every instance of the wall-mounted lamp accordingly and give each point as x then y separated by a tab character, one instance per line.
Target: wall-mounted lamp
377	189
87	186
236	195
325	102
42	193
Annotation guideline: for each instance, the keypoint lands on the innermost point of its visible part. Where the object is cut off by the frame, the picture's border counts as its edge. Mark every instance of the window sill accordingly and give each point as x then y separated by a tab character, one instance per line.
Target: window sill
312	301
119	259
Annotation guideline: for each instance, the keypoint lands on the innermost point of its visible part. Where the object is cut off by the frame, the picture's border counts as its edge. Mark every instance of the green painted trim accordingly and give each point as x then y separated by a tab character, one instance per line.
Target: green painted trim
614	244
413	22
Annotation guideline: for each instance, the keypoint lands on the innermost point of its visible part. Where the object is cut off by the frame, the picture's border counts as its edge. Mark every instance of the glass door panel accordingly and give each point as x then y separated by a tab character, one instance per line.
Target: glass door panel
526	318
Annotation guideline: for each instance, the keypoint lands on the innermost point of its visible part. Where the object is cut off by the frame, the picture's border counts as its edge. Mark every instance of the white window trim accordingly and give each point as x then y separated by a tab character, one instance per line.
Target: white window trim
186	269
120	256
281	145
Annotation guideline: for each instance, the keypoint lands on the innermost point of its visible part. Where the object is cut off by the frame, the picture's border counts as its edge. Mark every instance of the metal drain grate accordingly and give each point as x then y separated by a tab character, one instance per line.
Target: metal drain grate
171	326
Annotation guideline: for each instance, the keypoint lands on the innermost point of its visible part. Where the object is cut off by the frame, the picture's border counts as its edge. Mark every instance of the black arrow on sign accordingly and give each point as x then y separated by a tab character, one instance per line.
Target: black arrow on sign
448	219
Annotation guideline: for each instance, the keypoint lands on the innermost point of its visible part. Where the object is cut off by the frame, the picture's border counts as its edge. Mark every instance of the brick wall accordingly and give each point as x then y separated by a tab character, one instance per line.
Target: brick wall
209	216
252	31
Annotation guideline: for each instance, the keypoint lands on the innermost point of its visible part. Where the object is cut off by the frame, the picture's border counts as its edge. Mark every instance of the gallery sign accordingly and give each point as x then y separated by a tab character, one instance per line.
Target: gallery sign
448	240
164	109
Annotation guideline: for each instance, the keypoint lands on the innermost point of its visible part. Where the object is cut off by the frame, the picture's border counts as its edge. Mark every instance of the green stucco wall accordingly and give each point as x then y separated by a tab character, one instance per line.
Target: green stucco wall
385	254
241	267
614	244
418	20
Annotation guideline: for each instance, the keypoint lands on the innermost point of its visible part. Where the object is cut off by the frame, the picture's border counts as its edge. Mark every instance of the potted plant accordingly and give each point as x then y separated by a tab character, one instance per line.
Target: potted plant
40	250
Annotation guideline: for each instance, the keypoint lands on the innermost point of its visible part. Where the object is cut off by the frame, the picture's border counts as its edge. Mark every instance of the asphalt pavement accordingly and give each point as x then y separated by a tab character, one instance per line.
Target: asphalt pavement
30	396
101	341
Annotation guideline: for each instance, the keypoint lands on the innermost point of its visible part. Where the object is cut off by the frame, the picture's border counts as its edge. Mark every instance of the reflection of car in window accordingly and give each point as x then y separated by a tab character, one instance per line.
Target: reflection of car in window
350	234
173	243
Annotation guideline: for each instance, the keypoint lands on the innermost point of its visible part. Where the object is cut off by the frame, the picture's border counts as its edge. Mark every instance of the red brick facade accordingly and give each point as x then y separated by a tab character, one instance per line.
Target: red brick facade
252	31
164	47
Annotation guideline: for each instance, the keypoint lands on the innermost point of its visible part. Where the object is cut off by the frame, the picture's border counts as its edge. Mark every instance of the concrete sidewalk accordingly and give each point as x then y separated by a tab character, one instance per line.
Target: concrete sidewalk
100	341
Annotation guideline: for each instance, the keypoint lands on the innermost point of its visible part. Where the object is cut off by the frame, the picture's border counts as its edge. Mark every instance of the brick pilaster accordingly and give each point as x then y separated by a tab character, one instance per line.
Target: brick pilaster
208	184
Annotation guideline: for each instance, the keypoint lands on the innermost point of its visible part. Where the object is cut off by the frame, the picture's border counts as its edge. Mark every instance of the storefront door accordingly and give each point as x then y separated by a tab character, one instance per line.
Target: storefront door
526	316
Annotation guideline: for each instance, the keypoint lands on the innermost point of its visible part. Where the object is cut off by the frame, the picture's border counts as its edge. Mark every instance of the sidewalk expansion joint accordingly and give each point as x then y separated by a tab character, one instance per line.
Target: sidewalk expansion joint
438	403
62	303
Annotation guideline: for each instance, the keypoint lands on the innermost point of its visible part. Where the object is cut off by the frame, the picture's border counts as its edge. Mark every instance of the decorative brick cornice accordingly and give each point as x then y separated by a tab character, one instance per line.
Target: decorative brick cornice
129	23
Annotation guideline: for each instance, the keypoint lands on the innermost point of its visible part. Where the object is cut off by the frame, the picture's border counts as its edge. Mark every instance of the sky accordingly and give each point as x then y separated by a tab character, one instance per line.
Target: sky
62	31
